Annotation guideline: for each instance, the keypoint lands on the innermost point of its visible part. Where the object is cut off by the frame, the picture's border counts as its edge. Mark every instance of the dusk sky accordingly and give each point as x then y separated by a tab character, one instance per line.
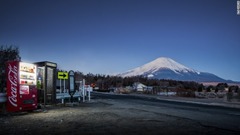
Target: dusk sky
113	36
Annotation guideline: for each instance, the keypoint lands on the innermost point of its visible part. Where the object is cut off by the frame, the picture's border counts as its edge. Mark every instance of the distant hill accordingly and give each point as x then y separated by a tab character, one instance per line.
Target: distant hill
167	68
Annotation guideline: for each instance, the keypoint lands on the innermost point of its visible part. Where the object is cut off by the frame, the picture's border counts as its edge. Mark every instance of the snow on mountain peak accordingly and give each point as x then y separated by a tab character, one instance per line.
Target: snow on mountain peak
157	64
166	68
164	62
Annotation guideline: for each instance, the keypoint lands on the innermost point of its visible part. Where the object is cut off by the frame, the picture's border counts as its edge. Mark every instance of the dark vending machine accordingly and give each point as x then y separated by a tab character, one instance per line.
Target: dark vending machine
46	82
21	86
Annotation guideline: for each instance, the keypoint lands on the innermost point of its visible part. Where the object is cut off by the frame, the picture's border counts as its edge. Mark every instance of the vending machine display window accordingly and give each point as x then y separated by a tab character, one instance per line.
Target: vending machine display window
40	76
27	74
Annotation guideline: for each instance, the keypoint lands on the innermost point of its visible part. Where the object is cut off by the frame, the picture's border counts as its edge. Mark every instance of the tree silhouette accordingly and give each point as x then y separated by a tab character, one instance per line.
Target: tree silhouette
7	53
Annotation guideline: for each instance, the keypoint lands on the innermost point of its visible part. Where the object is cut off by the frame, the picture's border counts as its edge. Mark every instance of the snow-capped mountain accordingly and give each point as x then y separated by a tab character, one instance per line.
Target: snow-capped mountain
166	68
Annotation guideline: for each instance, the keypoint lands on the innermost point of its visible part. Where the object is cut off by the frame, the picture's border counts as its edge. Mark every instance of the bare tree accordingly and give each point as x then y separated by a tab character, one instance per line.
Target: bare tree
7	53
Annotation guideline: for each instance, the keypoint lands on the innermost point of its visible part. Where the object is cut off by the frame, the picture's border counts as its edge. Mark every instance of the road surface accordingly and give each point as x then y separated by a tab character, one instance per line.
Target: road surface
124	114
220	118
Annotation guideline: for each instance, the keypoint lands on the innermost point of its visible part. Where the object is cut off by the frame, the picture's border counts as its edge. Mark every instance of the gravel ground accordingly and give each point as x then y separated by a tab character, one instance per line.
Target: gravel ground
100	116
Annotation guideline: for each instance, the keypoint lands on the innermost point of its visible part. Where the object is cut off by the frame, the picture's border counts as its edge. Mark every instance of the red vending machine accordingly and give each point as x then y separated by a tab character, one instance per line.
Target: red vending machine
21	86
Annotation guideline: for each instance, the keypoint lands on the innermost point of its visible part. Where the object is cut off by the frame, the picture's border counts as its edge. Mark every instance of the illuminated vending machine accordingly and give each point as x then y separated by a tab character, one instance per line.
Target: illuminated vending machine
21	86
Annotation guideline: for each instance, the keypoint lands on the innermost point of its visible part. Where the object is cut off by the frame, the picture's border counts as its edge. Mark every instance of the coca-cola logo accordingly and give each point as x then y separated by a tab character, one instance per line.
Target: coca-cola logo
13	79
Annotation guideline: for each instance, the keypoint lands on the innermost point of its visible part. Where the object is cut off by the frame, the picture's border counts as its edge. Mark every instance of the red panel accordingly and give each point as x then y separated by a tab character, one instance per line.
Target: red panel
29	101
13	86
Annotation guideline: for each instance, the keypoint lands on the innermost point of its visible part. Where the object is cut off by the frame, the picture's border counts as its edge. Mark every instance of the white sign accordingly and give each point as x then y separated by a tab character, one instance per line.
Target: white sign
88	88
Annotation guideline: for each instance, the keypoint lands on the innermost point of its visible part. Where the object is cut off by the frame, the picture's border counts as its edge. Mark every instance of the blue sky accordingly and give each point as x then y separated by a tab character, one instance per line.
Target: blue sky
113	36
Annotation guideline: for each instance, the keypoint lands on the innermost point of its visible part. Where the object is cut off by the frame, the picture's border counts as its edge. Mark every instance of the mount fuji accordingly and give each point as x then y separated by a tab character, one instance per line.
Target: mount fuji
166	68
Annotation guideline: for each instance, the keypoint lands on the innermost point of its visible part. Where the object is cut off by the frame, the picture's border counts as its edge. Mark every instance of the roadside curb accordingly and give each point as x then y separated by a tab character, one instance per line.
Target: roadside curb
222	104
228	105
234	105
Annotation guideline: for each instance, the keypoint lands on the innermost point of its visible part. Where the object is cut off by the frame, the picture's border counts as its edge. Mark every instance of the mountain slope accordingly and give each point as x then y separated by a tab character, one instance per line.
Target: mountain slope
166	68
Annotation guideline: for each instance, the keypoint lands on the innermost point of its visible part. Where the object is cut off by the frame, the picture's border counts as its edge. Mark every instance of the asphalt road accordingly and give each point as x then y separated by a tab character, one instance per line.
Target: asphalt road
118	114
219	118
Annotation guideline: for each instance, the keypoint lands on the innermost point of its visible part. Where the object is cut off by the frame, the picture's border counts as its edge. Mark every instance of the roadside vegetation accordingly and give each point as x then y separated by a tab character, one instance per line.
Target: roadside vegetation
106	83
7	53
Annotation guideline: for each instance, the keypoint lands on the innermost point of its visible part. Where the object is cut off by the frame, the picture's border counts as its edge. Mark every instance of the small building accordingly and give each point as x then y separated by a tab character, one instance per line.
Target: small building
139	86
